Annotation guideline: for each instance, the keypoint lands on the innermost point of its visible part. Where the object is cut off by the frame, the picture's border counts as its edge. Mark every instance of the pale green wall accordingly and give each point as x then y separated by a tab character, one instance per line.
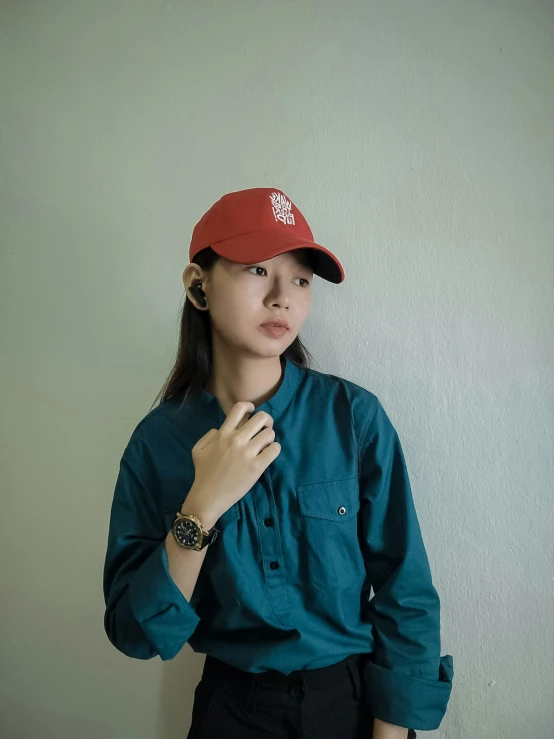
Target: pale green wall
418	139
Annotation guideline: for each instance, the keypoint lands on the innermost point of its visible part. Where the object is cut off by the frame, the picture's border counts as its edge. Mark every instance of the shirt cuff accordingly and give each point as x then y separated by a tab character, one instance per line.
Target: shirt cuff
164	614
406	700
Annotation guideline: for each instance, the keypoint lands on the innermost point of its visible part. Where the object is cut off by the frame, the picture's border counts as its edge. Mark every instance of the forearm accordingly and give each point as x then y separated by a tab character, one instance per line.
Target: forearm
185	564
383	730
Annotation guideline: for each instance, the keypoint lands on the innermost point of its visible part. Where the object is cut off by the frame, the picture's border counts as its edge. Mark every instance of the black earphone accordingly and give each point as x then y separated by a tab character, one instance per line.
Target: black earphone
198	293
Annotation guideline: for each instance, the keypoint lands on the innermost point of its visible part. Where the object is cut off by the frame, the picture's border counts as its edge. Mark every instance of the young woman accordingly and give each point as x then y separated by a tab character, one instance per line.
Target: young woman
259	503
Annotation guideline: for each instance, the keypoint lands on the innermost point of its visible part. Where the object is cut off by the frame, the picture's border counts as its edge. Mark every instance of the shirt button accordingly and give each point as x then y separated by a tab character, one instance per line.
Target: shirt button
342	510
268	521
297	691
274	565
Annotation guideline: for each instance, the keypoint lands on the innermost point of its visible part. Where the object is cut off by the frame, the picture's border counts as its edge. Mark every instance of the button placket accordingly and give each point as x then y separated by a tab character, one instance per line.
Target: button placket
272	552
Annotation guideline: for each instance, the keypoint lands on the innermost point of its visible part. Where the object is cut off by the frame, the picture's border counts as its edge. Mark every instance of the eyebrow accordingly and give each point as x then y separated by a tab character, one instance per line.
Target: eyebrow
298	265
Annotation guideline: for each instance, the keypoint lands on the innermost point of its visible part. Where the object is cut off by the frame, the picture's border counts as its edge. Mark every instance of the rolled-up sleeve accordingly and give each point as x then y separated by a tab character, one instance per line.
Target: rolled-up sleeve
146	613
408	682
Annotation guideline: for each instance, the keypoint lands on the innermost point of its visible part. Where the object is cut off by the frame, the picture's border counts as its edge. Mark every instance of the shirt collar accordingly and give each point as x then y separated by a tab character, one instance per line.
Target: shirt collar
275	405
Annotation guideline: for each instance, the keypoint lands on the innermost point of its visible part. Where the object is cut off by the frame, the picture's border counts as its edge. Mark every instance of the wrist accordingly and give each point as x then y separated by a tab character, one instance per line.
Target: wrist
195	506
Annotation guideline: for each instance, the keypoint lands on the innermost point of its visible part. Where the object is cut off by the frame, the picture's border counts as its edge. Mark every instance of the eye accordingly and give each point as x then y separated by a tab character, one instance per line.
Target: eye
257	266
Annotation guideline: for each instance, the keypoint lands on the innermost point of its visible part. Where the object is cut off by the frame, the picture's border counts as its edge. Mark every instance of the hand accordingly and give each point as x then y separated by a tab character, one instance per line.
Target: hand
383	730
229	460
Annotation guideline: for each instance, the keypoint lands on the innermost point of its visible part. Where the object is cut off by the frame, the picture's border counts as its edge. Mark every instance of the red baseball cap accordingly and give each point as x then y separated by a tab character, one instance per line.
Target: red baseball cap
253	225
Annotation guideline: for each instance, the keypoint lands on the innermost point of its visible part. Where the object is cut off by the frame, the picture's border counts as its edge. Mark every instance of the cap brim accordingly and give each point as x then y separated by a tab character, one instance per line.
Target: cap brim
261	245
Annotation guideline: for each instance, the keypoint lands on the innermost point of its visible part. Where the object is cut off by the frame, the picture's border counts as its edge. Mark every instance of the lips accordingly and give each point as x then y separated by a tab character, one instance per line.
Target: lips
272	330
277	323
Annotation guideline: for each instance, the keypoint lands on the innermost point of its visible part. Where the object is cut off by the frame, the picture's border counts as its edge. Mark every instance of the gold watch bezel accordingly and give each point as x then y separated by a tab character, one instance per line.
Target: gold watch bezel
191	517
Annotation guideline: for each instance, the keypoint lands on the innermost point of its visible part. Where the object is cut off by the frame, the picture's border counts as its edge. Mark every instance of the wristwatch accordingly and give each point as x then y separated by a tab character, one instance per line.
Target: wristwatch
189	533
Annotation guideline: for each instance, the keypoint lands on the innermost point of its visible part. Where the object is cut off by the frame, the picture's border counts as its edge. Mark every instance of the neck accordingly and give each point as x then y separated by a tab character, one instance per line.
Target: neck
235	378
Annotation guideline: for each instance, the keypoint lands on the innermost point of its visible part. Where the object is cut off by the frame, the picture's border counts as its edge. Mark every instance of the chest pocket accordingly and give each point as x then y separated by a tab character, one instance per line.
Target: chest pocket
330	547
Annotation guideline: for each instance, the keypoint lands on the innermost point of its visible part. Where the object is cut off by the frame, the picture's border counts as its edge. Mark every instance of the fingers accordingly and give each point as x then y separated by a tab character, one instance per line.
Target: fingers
251	426
236	414
266	457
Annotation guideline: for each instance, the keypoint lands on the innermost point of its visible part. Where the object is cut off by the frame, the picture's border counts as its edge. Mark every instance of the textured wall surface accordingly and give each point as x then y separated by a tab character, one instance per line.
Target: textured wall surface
418	140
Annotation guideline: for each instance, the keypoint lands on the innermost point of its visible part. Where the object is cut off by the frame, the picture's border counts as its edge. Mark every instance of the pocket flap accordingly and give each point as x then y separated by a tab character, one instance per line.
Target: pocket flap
334	500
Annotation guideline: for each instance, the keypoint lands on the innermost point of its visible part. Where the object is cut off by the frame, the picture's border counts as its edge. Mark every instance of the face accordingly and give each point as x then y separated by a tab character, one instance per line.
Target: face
242	296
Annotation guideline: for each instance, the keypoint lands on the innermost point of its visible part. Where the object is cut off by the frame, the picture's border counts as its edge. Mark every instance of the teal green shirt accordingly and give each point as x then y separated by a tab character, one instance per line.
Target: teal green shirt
286	584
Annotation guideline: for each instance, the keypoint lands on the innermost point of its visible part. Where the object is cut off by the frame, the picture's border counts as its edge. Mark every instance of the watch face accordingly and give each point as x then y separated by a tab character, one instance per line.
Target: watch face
186	532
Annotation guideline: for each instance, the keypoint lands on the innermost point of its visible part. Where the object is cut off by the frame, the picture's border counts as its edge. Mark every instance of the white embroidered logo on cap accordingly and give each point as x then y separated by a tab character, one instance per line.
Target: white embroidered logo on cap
282	208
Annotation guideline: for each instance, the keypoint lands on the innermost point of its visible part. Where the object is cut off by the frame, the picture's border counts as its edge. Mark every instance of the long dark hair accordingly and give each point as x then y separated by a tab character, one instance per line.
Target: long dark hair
193	361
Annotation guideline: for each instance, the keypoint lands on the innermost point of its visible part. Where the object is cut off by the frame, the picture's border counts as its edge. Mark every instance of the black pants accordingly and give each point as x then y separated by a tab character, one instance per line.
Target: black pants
326	703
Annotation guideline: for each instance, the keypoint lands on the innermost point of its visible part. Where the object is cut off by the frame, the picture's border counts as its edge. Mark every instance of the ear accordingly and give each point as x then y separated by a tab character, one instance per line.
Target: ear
191	270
